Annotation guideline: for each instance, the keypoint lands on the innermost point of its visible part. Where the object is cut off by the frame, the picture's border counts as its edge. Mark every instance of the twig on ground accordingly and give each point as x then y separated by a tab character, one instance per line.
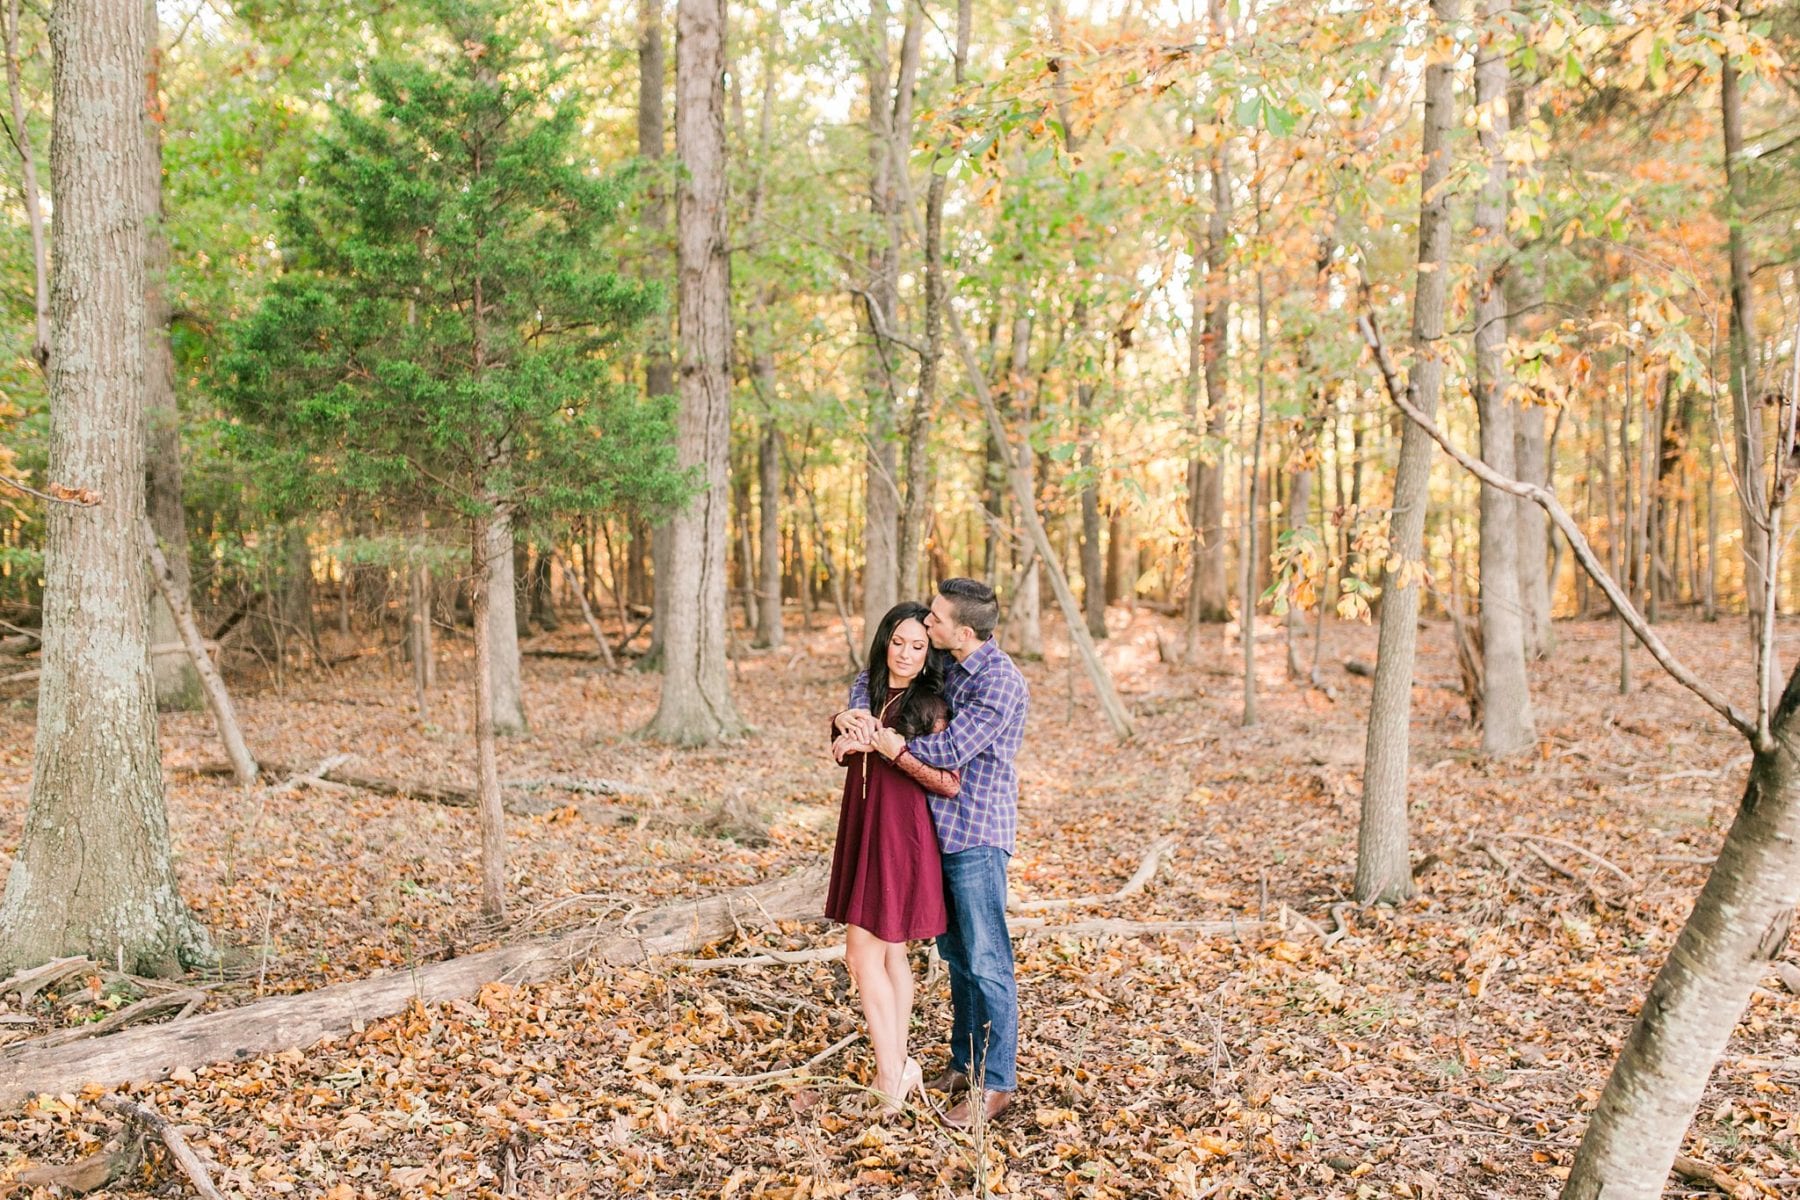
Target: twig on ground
152	1121
30	983
1694	1170
1596	859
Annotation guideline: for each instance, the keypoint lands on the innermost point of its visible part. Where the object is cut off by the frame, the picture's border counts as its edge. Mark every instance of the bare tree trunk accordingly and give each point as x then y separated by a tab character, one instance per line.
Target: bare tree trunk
1121	559
503	634
1746	403
890	132
487	551
1207	594
419	636
1383	866
94	873
1024	620
917	508
1507	727
1253	499
1622	531
1298	512
768	462
34	205
177	683
659	368
696	705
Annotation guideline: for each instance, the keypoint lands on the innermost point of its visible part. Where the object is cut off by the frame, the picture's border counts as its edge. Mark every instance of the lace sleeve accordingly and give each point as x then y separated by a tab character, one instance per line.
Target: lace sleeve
940	781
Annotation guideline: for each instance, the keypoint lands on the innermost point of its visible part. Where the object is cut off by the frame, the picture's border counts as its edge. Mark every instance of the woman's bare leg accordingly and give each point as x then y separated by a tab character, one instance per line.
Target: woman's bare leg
900	979
867	957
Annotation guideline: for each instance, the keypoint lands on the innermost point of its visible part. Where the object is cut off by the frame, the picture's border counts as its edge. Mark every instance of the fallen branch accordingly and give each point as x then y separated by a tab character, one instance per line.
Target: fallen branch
581	786
151	1121
1695	1171
84	1175
186	999
1146	869
30	983
300	1021
587	612
783	1073
1596	859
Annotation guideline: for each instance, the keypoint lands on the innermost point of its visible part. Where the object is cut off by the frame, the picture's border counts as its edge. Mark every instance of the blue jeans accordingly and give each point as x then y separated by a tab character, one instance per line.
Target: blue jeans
984	999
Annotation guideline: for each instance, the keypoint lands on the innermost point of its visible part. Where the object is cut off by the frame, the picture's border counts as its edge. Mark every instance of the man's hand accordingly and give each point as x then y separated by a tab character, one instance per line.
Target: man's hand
888	743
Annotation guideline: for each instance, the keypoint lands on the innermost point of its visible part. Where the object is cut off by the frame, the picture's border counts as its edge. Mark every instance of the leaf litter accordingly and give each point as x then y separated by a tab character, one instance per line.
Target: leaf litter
1447	1047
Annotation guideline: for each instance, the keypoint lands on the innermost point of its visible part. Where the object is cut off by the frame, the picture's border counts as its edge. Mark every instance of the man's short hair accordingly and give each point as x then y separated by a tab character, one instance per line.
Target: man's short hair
975	604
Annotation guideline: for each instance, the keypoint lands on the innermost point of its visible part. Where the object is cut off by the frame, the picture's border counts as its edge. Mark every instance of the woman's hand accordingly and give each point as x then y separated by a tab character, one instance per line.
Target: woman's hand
846	745
888	743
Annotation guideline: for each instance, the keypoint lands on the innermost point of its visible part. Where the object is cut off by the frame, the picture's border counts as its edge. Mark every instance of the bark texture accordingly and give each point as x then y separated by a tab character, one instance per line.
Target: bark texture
499	579
94	872
768	475
696	705
1383	866
1507	726
659	368
488	553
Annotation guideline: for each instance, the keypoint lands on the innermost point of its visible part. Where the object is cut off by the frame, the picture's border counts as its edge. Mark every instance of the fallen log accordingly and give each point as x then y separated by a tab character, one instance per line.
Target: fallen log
152	1122
153	1053
451	795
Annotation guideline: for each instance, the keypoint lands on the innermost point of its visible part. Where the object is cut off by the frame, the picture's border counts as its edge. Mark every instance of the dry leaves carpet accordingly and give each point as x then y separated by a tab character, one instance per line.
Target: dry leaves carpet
1450	1047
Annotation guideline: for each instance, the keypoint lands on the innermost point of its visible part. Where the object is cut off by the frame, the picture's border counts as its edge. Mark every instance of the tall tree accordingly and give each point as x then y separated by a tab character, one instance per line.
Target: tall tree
1746	401
177	682
891	86
696	705
1506	721
1207	586
659	367
94	873
1383	861
441	339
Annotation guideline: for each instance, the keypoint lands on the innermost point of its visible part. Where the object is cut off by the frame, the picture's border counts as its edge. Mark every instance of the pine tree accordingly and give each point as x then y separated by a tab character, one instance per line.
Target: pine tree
442	338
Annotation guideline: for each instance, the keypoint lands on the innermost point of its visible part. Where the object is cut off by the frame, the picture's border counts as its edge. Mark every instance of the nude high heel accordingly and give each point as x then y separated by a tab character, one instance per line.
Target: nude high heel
912	1079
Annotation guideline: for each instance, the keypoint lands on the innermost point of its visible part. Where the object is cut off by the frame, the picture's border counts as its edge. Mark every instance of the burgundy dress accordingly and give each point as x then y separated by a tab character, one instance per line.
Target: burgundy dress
885	873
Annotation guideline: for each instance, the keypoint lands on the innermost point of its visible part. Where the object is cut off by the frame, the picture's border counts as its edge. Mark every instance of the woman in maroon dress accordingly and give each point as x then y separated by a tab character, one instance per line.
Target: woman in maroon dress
887	883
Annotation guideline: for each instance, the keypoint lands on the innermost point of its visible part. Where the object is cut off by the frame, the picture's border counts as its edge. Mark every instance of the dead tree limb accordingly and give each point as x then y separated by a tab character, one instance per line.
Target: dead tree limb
299	1021
1565	524
146	1117
211	682
1146	869
587	612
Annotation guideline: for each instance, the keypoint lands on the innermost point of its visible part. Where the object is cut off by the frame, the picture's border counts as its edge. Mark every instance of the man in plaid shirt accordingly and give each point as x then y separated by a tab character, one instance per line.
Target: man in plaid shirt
976	830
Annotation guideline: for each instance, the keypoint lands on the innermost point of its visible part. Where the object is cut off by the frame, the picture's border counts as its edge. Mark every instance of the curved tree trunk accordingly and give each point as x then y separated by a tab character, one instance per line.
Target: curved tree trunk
1738	927
1506	723
94	872
1383	860
696	705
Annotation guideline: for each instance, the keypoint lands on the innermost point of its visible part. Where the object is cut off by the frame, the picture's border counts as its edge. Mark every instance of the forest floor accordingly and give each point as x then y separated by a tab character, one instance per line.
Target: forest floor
1450	1047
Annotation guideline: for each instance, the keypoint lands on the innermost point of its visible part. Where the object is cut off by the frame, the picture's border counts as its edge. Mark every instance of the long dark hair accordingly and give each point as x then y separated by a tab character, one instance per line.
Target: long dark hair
924	704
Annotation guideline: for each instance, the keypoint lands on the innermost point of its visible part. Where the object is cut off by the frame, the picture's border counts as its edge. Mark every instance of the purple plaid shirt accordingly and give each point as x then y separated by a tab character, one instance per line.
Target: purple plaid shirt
988	699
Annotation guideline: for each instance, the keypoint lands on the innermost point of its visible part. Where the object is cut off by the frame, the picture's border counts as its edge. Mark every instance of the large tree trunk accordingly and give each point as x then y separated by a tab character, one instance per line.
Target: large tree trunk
1383	866
1507	727
659	368
177	683
1738	927
94	871
497	578
1746	402
696	705
890	134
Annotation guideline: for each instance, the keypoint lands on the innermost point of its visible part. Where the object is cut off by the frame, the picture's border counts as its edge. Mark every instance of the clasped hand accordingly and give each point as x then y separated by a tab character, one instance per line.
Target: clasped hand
859	732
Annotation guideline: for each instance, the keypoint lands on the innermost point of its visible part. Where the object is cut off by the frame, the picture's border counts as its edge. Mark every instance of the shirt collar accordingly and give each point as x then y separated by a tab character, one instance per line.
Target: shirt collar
984	654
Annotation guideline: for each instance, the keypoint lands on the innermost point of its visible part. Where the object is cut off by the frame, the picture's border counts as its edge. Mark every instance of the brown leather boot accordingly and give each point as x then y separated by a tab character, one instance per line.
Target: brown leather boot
950	1081
963	1115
